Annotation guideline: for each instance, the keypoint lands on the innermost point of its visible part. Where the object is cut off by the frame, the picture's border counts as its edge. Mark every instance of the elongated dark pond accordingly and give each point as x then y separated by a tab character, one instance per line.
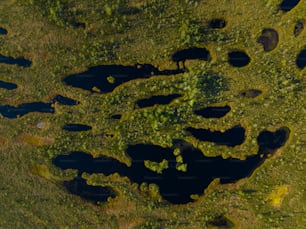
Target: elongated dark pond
192	53
301	59
20	61
9	111
76	127
23	109
176	186
158	99
287	5
7	85
64	100
213	112
94	194
232	137
105	78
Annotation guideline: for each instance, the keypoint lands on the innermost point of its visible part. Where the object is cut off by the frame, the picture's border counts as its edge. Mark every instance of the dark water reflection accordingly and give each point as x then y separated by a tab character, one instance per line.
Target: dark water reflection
23	109
250	93
176	186
7	85
22	62
11	112
193	53
217	23
238	59
106	78
299	27
159	99
64	100
116	116
75	127
269	39
301	59
94	194
232	137
3	31
288	5
213	112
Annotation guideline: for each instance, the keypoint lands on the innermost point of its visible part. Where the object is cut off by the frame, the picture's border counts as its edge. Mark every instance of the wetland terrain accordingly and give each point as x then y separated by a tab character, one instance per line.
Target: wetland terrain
152	114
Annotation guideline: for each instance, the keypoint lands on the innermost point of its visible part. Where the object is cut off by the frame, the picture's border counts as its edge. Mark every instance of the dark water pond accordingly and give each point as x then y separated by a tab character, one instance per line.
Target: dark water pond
231	137
91	193
107	77
250	93
116	116
269	141
74	127
288	5
176	186
78	25
3	31
298	28
213	112
7	85
217	23
238	59
269	39
23	109
64	100
159	99
221	222
22	62
301	59
192	53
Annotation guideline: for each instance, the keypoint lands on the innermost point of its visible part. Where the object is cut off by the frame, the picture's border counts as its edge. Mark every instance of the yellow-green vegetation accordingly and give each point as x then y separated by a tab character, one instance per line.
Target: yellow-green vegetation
156	166
63	37
276	197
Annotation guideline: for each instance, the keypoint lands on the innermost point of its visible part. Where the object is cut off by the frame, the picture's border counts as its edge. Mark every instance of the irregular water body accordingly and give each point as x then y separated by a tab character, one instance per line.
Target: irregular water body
238	59
78	25
107	77
75	127
64	100
269	39
232	137
94	194
159	99
7	85
3	31
193	53
23	109
288	5
221	222
11	112
217	23
116	116
213	112
176	186
301	59
298	28
20	61
250	93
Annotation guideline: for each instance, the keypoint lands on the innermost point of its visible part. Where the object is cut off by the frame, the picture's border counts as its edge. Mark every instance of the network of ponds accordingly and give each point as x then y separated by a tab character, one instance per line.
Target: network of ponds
175	186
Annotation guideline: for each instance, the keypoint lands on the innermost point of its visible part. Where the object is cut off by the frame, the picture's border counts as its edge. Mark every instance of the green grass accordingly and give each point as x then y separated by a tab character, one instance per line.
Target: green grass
126	32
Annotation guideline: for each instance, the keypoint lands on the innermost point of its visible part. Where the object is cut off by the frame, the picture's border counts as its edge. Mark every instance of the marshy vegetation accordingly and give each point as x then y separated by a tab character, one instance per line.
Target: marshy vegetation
176	185
95	46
